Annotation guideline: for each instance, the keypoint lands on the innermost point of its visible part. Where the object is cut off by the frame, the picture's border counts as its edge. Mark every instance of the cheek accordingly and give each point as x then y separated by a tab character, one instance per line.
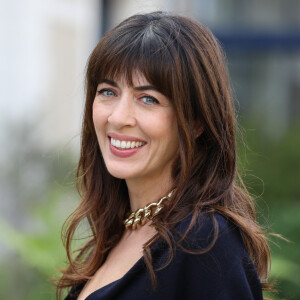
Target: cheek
171	131
169	126
99	118
163	127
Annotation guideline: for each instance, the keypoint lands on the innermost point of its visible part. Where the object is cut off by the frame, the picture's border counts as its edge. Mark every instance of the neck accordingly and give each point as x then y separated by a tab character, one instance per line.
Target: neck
142	192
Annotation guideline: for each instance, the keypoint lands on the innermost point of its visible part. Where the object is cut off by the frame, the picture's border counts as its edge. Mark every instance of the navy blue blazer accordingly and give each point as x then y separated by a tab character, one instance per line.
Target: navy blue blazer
225	272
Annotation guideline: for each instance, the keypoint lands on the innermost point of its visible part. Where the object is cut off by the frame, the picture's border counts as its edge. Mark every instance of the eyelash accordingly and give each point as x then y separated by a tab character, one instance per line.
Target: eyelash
103	91
155	101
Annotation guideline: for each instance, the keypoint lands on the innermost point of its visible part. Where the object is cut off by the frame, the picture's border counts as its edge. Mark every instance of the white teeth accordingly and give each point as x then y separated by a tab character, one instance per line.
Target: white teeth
126	144
123	144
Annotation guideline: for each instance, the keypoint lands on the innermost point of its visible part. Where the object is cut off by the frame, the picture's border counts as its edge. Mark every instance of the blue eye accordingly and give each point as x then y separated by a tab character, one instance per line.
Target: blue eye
106	92
149	100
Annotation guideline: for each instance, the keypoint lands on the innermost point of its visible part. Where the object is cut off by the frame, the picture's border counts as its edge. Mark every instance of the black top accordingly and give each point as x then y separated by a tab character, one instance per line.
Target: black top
225	272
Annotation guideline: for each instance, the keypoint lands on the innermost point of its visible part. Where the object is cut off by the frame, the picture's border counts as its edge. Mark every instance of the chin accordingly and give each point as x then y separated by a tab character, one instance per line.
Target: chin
120	173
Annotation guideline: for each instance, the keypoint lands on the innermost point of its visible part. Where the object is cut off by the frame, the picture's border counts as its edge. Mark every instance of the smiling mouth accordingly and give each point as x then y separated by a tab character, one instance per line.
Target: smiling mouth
123	145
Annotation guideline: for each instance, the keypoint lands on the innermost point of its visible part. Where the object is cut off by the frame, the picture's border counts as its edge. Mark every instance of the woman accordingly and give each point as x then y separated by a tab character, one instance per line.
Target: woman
157	172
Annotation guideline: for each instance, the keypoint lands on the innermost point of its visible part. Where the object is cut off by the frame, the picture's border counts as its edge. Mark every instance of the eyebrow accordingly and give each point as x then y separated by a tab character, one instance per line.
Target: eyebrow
110	82
145	87
137	88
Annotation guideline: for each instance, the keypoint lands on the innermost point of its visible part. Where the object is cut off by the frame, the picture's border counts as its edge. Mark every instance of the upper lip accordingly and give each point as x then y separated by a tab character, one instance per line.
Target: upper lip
124	137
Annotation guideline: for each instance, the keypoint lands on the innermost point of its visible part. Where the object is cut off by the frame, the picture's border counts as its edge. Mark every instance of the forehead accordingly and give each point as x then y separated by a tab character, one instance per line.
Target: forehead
137	79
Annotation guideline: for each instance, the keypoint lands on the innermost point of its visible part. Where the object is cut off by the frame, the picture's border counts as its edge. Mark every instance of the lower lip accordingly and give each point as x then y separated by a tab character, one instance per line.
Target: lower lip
125	152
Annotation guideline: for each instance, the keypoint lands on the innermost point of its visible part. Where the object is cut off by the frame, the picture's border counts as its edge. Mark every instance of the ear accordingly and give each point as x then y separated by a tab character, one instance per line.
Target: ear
198	129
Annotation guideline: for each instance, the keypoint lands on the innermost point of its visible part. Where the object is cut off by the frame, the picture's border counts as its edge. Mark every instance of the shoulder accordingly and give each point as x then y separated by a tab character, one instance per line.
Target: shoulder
211	262
205	222
210	230
213	258
216	242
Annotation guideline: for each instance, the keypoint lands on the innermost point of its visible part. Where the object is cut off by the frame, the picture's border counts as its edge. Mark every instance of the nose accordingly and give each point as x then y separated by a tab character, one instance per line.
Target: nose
123	113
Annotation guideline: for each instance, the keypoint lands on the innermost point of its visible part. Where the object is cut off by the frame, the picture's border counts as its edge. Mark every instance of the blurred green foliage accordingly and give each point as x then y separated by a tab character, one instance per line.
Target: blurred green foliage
41	184
271	166
35	256
271	171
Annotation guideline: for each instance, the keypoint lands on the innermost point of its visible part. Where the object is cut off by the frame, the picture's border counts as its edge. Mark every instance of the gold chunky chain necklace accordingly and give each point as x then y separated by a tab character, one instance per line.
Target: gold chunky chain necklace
141	215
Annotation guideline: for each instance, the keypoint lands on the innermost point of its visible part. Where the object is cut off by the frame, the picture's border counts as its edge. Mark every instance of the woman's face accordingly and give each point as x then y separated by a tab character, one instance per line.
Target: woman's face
136	129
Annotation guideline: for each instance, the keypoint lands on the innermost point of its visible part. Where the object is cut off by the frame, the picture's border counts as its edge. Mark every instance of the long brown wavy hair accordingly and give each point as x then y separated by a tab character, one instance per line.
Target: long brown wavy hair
184	61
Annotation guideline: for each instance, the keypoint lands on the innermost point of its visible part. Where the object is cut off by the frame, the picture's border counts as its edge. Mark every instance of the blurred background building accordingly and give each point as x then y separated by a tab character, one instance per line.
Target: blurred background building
44	49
